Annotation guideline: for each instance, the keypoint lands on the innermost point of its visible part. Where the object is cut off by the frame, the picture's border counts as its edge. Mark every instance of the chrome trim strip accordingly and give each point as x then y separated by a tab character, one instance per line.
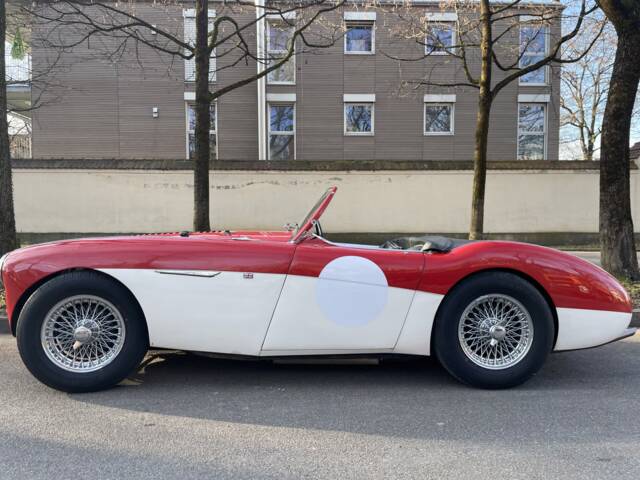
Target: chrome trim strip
190	273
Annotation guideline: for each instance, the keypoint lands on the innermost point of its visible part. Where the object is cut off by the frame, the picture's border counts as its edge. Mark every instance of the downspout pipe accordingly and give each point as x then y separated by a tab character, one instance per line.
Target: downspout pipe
262	104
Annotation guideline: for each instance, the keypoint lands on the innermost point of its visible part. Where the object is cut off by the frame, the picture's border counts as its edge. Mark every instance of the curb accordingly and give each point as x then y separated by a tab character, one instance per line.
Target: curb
4	325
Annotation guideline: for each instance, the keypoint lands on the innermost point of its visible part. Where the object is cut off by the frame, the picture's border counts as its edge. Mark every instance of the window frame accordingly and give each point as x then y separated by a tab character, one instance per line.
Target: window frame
454	36
373	119
188	131
373	37
451	122
272	52
281	132
522	54
544	132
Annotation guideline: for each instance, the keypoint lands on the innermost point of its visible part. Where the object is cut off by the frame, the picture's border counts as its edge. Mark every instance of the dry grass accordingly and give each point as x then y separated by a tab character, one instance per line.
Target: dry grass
634	290
1	299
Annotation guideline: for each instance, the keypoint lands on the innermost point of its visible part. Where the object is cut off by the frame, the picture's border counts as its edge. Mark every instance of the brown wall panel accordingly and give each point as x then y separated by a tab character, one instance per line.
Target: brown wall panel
102	108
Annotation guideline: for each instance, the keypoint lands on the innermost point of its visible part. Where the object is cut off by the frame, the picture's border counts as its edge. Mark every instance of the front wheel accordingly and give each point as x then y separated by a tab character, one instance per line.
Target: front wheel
494	330
81	332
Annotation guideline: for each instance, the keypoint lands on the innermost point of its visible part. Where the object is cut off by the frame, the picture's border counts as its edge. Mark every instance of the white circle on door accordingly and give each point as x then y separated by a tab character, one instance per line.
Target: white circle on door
352	291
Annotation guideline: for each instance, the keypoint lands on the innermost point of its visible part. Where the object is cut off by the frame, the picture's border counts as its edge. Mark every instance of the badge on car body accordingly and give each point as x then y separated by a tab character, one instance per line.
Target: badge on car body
247	275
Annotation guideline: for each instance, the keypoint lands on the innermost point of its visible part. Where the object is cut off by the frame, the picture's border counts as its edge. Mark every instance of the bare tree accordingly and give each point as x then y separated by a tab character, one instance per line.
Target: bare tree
15	126
223	36
584	86
8	240
484	36
616	223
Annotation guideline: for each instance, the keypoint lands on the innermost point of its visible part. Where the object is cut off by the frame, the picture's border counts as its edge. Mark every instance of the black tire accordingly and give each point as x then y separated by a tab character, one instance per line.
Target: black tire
65	286
448	347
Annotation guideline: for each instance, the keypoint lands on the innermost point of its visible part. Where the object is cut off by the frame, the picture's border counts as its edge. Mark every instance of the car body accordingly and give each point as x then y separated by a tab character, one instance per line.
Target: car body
295	293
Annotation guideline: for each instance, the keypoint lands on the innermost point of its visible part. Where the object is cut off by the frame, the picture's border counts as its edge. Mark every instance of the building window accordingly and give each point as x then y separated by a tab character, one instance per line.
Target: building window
359	37
190	38
533	48
358	118
191	131
279	35
438	118
440	38
531	131
282	131
19	129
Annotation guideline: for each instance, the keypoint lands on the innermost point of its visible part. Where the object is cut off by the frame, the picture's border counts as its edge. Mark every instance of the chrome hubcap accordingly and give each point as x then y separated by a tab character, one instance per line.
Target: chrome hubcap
82	333
495	331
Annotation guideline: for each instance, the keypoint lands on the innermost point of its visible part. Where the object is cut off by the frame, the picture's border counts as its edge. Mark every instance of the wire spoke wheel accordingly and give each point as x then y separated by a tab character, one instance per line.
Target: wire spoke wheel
495	331
83	333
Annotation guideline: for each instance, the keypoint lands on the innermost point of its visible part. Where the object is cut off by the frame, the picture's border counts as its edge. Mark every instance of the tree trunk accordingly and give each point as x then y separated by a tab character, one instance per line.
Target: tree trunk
588	146
203	121
480	166
616	225
476	228
8	240
588	153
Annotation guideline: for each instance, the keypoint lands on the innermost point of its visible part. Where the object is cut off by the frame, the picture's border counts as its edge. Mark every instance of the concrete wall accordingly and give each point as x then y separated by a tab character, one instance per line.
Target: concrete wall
118	200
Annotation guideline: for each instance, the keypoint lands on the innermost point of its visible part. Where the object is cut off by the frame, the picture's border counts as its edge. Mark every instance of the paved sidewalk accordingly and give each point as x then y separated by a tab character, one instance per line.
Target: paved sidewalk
592	256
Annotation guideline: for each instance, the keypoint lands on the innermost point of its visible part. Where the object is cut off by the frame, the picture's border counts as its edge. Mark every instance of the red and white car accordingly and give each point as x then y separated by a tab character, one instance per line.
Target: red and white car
86	311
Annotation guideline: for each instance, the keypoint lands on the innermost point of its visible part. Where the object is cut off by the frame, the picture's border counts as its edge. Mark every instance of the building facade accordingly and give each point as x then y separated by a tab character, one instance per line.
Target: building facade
356	99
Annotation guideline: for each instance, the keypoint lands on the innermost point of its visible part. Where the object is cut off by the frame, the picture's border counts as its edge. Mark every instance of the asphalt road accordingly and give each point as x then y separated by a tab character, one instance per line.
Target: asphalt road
191	417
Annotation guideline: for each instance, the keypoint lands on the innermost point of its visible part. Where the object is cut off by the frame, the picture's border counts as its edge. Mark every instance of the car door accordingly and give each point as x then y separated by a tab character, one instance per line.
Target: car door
341	298
211	296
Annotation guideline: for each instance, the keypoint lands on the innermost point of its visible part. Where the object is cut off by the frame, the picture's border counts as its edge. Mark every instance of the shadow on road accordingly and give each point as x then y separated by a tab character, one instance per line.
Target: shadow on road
414	399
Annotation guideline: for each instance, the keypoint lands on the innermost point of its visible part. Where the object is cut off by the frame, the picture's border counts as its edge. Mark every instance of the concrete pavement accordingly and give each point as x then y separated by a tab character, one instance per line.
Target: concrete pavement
185	416
191	417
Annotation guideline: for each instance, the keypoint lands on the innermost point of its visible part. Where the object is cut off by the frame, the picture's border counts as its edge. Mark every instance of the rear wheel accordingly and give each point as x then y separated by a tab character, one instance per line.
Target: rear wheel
81	332
494	330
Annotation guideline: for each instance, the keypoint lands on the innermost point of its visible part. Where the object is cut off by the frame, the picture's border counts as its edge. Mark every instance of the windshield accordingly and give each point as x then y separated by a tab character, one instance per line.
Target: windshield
314	214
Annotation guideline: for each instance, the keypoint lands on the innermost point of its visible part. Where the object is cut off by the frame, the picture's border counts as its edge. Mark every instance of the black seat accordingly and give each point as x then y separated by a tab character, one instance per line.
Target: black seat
426	243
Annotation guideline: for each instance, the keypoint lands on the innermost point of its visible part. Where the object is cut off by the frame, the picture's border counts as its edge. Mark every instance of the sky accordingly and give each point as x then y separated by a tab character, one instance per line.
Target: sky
571	150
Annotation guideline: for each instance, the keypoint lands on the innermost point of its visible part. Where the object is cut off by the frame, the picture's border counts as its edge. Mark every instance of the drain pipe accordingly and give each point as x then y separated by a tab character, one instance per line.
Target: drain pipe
260	53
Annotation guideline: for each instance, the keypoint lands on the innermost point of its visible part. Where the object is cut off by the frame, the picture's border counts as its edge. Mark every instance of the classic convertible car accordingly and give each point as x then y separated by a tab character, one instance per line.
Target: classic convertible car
86	311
